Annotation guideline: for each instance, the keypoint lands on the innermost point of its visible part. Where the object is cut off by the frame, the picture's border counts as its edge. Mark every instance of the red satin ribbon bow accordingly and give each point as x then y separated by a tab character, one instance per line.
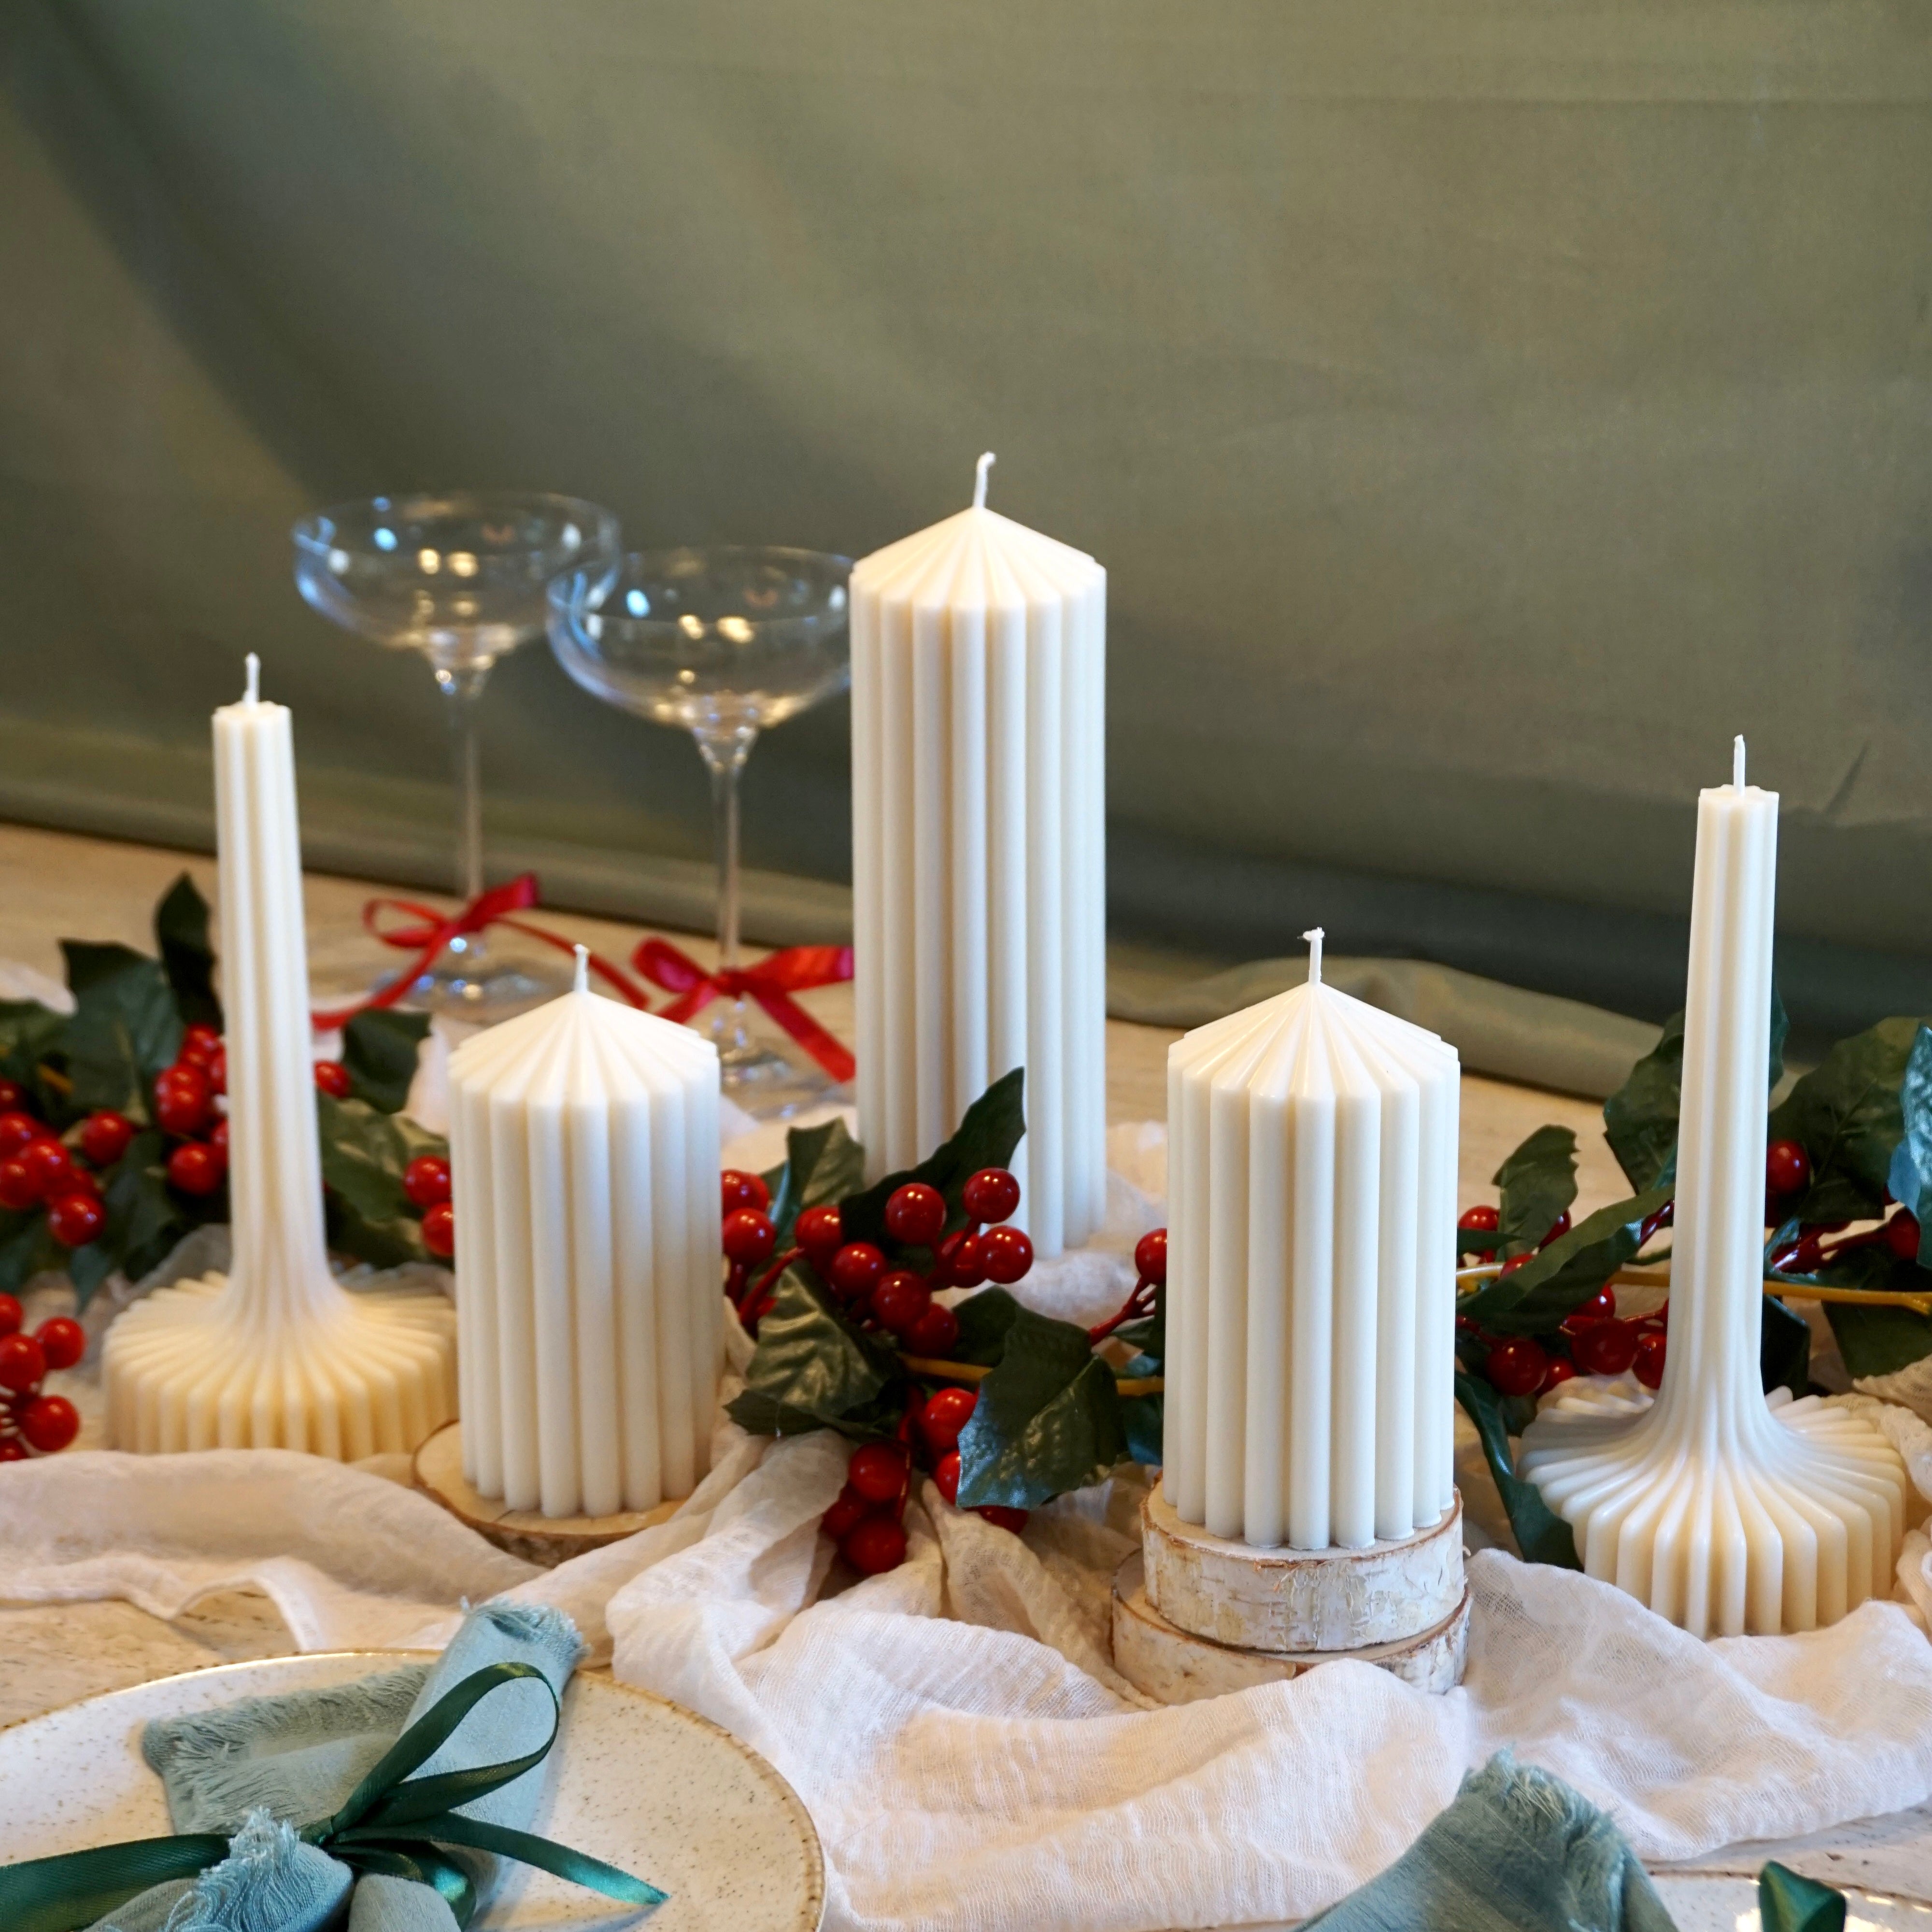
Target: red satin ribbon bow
771	982
433	930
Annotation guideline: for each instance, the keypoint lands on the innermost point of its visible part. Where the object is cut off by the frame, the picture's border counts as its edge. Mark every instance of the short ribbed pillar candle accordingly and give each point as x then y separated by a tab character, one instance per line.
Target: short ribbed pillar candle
583	1157
978	851
1311	1272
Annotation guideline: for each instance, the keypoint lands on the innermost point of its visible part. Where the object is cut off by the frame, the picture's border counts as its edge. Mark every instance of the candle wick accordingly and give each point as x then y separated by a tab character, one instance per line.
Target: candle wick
1738	762
1314	937
986	463
254	678
583	970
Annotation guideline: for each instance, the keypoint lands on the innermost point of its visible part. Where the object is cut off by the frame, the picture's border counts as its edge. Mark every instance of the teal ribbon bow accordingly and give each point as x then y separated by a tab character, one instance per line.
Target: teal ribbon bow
387	1826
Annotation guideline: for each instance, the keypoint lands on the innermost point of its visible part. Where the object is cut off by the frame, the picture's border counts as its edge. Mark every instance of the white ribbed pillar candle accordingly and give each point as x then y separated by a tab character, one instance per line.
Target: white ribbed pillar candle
1311	1272
978	851
1721	1513
583	1157
276	1355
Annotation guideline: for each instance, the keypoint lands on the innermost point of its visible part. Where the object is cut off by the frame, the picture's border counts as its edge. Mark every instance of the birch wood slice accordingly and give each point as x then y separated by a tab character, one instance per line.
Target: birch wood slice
1178	1667
1285	1600
546	1539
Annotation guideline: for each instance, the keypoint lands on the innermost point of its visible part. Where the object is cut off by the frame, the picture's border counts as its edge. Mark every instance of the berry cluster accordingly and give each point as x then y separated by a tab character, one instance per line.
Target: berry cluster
1787	1174
31	1423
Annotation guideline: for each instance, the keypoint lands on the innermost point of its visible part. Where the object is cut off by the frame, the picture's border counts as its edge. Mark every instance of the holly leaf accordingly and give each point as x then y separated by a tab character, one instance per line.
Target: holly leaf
1538	1182
1847	1114
1909	1176
1541	1535
1877	1340
31	1035
813	1369
1048	1420
1787	1902
986	1320
1143	1417
26	1248
1784	1349
125	1028
364	1153
187	959
379	1048
1536	1298
821	1164
1640	1118
988	1132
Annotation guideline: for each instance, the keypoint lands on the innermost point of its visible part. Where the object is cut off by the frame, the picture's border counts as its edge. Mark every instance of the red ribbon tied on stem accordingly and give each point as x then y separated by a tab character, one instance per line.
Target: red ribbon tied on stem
771	982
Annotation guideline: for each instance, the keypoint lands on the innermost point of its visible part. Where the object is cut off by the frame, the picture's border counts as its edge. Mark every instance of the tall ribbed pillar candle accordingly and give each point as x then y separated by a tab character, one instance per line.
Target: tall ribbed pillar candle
978	851
583	1153
276	1354
1721	1513
1311	1272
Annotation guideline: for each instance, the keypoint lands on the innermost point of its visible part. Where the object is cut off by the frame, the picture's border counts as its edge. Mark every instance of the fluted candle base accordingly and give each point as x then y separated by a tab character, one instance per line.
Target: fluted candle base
363	1374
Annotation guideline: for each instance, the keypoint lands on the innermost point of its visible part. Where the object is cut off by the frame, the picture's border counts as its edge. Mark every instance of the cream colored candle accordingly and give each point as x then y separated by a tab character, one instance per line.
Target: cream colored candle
583	1152
978	851
276	1354
1723	1514
1311	1272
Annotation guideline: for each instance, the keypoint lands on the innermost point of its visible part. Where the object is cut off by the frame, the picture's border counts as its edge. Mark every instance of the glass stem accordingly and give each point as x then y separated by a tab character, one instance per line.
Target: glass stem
462	688
724	755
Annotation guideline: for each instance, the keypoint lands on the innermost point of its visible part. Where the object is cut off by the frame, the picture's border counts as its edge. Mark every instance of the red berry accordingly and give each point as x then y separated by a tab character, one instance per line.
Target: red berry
1562	1370
877	1545
946	1475
217	1138
991	1194
817	1231
1648	1361
933	1333
900	1301
195	1168
17	1129
1901	1235
1007	1254
104	1137
738	1189
438	1230
22	1365
1599	1307
217	1072
1605	1348
332	1077
1482	1218
13	1096
965	1262
50	1422
1001	1517
916	1214
17	1190
62	1339
941	1419
857	1269
1150	1255
11	1315
749	1237
49	1166
1559	1228
12	1449
74	1219
1518	1366
426	1180
199	1045
849	1510
877	1472
1787	1167
181	1096
1514	1262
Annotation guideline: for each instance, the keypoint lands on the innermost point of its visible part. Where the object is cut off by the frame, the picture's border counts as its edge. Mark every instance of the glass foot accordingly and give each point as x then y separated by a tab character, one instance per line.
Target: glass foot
481	992
770	1086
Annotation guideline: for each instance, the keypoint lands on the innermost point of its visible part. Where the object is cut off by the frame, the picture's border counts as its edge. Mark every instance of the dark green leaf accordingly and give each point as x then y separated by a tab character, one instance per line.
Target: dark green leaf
1538	1182
125	1027
1788	1902
1047	1419
1640	1118
31	1035
1537	1298
987	1135
1876	1340
1784	1349
1910	1177
984	1321
1142	1416
26	1249
364	1153
181	933
812	1362
821	1164
145	1217
1542	1535
1781	1031
1847	1113
379	1048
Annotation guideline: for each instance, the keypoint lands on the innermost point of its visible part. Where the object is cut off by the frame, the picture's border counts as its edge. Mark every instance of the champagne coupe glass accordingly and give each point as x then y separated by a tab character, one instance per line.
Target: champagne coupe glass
460	578
726	641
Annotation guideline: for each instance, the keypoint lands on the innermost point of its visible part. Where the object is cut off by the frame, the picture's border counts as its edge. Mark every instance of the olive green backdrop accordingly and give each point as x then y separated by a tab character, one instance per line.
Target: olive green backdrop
1483	411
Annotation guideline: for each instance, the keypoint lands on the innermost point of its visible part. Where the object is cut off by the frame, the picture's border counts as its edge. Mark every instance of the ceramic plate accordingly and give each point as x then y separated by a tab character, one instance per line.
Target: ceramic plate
1701	1903
633	1780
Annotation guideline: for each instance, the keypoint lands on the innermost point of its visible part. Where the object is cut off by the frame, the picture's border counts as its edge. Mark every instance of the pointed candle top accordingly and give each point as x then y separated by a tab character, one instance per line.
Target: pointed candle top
986	463
1314	936
1738	763
583	983
254	693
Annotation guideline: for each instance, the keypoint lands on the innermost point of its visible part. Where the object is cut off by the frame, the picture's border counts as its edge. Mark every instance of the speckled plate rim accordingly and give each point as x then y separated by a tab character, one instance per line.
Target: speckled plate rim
762	1768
